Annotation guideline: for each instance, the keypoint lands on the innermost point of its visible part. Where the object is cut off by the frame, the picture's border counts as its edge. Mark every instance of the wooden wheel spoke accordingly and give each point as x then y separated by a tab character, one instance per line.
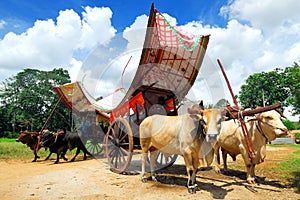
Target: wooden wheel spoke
123	137
124	151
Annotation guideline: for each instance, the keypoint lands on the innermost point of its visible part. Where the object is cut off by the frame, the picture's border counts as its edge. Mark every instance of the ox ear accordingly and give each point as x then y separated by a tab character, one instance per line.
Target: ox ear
201	106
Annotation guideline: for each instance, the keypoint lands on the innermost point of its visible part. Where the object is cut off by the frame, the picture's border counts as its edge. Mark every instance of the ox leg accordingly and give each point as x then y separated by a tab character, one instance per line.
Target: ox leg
190	171
145	145
77	152
85	152
217	158
251	176
144	160
248	164
63	154
35	157
224	156
57	158
48	156
195	170
153	155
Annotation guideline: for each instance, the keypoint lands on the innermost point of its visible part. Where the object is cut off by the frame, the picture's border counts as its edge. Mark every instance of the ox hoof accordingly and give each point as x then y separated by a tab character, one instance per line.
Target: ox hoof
251	181
144	180
193	189
33	161
154	179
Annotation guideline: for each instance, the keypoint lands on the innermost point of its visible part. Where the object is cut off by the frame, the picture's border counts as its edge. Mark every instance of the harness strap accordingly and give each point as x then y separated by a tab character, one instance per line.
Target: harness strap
258	126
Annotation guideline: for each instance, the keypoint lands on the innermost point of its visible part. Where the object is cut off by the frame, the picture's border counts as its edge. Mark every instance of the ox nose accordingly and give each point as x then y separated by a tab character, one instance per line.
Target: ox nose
212	138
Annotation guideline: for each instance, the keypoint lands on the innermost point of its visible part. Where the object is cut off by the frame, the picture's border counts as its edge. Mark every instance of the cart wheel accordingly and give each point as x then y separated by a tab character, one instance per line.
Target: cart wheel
94	146
163	161
119	145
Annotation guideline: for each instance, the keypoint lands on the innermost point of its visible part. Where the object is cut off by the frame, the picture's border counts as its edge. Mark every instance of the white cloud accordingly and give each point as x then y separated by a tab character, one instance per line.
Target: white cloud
49	44
268	14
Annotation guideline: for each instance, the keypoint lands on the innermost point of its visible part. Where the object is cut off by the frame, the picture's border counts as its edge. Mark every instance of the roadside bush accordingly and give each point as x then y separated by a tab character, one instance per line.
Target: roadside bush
290	125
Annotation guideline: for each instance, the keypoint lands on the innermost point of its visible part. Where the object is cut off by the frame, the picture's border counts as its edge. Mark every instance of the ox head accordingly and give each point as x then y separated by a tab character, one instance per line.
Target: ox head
210	120
271	124
26	136
23	137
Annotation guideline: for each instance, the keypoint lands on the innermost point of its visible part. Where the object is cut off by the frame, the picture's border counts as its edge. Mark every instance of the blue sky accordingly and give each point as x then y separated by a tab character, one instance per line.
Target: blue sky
25	13
247	36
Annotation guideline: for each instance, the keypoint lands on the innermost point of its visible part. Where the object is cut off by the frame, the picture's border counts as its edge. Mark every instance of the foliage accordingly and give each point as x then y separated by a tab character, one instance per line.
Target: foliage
266	88
293	81
290	125
297	135
27	99
222	103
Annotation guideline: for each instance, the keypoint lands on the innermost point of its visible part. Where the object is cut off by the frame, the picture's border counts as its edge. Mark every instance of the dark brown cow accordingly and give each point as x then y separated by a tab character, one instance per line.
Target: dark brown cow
31	140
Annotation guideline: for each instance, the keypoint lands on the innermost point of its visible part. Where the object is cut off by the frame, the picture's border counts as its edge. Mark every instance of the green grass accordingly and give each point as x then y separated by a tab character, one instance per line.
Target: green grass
291	168
10	149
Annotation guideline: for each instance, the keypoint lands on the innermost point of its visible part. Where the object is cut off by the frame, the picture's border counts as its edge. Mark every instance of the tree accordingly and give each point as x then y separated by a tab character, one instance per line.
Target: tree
28	98
222	103
292	79
265	88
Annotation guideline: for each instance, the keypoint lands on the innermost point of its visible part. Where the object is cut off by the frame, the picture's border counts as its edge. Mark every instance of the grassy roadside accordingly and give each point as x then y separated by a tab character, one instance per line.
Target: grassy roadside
10	149
290	168
284	166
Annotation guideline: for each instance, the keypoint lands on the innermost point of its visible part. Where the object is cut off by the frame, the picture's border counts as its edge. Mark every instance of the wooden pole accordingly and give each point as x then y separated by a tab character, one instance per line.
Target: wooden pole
47	121
243	125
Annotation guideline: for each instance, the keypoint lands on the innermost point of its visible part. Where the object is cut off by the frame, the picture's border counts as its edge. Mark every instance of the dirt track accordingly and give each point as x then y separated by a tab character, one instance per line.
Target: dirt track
91	179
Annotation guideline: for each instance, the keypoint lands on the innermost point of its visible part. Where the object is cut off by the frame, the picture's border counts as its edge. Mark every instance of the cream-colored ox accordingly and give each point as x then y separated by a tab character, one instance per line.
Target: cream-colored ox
181	135
262	127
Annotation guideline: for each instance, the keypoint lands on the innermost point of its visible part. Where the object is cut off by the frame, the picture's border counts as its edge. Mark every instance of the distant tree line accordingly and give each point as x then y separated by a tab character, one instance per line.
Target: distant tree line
27	99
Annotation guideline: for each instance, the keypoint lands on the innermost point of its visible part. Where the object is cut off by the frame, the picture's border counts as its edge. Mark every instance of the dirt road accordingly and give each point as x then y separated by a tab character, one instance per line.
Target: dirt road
92	179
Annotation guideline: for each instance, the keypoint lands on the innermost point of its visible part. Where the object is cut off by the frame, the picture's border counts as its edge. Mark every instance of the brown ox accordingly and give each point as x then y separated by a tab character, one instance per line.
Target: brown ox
181	135
263	127
31	140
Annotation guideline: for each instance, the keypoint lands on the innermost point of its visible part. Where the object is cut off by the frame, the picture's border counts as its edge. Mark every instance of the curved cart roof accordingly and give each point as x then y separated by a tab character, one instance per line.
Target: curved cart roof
171	58
74	96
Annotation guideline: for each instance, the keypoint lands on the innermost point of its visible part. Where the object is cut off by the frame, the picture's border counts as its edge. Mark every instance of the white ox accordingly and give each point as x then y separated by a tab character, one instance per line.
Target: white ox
262	127
179	135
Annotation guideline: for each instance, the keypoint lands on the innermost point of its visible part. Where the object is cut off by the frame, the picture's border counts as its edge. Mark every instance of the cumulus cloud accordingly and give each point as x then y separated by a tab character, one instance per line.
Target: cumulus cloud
268	14
52	44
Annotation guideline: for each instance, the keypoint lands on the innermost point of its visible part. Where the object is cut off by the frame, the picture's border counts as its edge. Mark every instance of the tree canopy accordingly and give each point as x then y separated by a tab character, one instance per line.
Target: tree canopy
27	99
266	88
